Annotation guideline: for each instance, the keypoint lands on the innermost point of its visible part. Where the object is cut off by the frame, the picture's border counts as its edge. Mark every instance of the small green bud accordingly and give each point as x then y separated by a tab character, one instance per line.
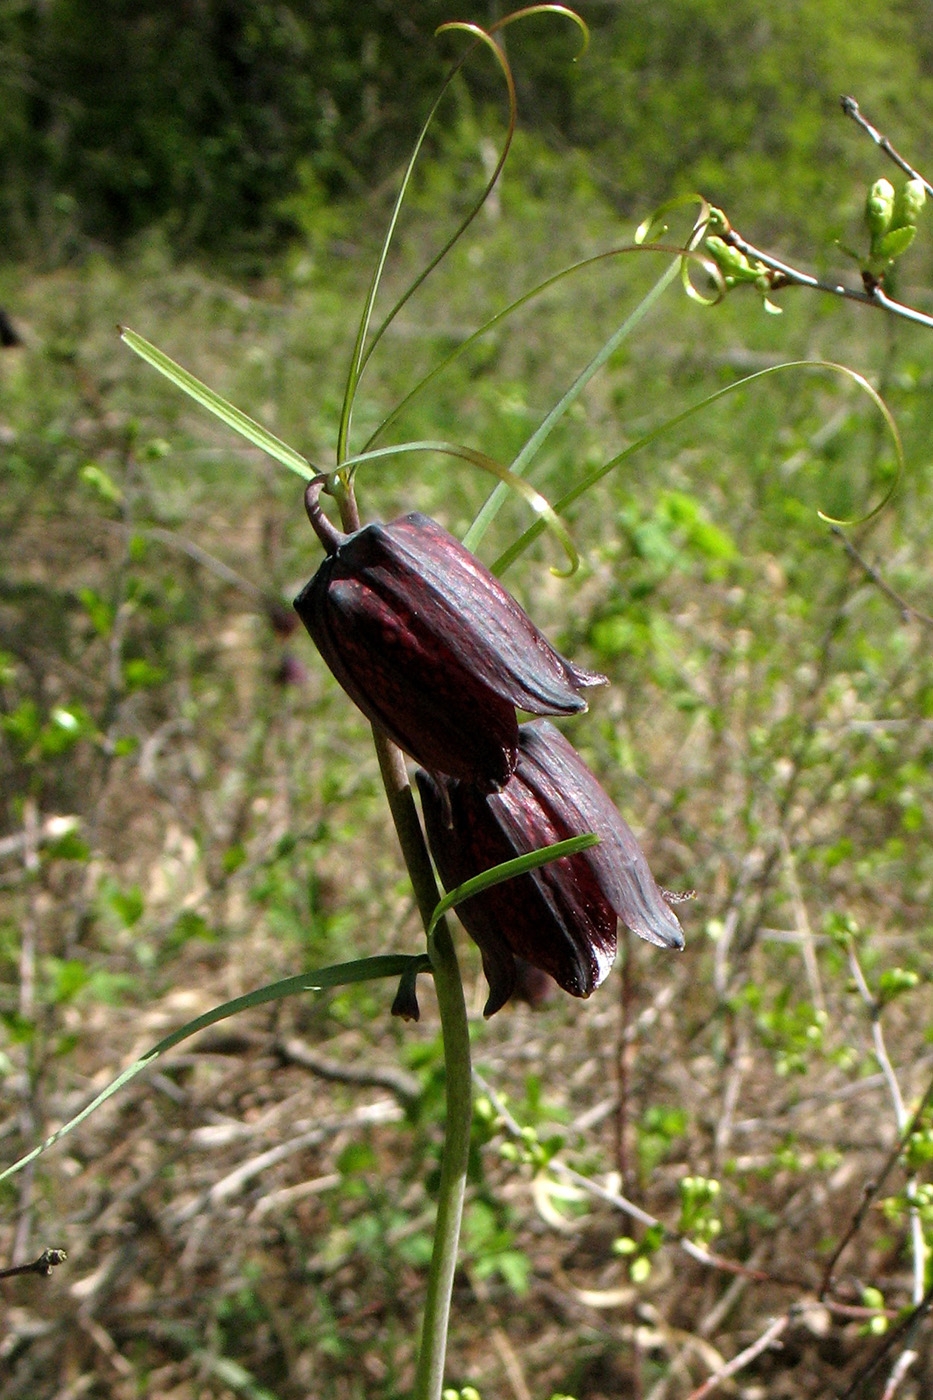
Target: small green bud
896	980
879	208
908	204
728	259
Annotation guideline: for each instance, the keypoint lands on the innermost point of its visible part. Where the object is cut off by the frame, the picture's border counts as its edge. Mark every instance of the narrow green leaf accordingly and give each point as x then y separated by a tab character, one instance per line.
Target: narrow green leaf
247	427
534	444
543	9
490	325
896	242
518	547
542	507
508	870
338	975
362	352
686	257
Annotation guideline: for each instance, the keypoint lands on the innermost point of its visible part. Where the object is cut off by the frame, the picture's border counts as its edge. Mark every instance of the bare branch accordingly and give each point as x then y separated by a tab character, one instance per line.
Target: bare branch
851	109
405	1086
903	1121
672	1237
898	1371
906	609
44	1265
784	275
905	1332
871	1189
769	1338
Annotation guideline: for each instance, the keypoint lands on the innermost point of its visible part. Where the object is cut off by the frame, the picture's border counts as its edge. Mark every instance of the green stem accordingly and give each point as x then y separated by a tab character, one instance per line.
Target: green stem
521	463
429	1378
455	1033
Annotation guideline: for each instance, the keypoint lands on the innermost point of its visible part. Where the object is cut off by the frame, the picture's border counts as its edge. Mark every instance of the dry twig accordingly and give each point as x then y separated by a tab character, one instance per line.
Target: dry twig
44	1265
907	610
769	1338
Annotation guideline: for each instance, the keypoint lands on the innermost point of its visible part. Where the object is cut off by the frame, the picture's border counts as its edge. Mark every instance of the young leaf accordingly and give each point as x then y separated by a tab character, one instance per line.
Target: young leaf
240	423
338	975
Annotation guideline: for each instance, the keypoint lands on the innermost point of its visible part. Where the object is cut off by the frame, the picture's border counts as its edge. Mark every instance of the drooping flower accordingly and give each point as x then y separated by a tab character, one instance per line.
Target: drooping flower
430	646
562	917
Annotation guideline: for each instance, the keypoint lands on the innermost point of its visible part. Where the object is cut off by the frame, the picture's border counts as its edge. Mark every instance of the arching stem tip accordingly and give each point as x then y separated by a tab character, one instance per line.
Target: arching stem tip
328	534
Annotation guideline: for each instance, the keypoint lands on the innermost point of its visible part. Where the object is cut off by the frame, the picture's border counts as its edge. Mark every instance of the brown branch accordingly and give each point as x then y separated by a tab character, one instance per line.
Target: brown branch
780	274
44	1265
769	1338
898	1371
784	275
851	109
696	1252
904	1331
871	1189
405	1086
906	609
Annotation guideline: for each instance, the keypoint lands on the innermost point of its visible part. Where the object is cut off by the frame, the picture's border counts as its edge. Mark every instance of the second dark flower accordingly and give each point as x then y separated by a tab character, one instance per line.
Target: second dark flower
562	917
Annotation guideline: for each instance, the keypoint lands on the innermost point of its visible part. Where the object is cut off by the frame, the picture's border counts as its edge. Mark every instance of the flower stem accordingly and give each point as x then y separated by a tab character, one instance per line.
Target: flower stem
455	1033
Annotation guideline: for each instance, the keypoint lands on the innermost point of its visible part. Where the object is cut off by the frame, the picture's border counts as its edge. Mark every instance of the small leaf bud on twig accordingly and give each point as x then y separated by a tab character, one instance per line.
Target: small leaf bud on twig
908	204
879	210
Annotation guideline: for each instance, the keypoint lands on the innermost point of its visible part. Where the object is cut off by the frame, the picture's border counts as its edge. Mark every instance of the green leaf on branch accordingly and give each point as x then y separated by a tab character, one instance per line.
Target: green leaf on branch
893	244
895	981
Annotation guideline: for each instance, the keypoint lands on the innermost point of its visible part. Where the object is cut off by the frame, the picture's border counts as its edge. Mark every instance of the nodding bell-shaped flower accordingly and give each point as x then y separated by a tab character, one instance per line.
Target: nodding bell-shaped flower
430	646
562	917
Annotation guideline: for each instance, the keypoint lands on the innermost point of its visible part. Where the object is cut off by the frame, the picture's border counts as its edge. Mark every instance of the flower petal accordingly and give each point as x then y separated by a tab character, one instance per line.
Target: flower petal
431	647
554	917
408	680
551	768
511	654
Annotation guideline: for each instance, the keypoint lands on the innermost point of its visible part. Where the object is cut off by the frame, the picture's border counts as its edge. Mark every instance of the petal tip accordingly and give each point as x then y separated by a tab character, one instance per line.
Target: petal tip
663	934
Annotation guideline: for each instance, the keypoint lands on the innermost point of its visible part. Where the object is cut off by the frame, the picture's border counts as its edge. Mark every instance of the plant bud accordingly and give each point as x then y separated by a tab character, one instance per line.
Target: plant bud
729	260
879	208
908	204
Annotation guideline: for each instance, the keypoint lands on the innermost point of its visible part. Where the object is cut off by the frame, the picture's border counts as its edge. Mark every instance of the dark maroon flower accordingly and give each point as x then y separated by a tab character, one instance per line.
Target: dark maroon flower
430	646
562	917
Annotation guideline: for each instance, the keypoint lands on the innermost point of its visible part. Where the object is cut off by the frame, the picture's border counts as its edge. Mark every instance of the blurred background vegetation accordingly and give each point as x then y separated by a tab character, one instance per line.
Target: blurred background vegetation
191	808
228	123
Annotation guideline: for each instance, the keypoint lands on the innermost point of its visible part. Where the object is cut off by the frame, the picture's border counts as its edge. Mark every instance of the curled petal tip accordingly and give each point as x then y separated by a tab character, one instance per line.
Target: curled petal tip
561	917
551	767
586	678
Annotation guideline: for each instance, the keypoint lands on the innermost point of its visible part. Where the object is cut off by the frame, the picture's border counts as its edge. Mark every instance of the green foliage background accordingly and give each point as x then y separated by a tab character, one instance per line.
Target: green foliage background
207	117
